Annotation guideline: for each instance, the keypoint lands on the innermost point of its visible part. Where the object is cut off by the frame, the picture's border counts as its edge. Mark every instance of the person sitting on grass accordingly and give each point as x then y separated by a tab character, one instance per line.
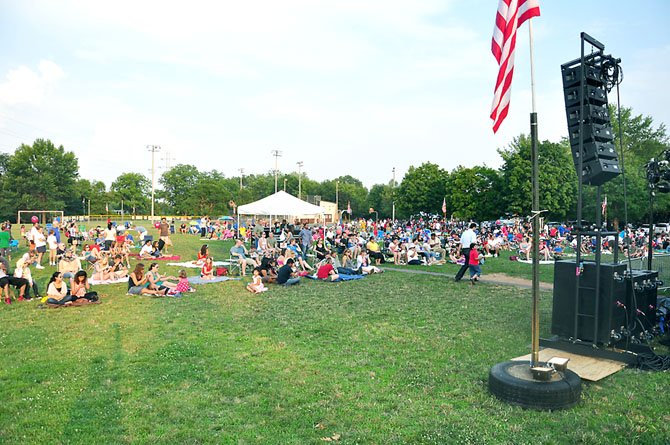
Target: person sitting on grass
239	251
203	253
139	285
81	288
183	285
256	286
148	252
327	272
57	291
268	269
207	271
22	271
7	280
290	253
102	269
118	268
545	253
158	280
525	248
69	264
286	276
363	264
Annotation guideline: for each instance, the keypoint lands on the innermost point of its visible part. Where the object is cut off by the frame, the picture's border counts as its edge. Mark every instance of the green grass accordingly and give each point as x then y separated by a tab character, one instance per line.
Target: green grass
393	358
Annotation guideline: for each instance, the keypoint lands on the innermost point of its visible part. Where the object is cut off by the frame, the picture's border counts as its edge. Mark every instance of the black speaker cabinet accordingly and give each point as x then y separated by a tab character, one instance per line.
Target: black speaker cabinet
610	316
641	299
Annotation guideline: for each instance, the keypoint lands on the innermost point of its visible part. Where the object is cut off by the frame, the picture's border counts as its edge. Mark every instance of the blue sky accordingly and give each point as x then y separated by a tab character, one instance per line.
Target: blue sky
348	87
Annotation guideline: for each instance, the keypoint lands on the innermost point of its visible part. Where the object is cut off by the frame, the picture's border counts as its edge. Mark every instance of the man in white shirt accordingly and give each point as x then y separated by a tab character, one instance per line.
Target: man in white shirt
467	237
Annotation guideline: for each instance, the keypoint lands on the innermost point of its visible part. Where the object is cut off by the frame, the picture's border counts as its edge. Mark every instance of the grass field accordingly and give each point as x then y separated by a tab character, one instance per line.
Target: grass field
393	358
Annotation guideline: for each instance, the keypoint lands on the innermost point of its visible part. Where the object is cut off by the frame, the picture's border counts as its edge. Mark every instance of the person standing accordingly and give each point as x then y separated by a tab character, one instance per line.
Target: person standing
468	237
164	234
305	240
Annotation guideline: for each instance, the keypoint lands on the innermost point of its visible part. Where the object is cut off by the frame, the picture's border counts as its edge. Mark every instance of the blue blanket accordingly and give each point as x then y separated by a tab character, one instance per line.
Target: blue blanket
199	280
342	277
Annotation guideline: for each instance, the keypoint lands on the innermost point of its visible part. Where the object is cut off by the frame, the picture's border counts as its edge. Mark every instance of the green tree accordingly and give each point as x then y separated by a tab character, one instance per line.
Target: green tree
380	198
39	176
179	184
422	189
135	191
475	193
642	140
558	192
93	190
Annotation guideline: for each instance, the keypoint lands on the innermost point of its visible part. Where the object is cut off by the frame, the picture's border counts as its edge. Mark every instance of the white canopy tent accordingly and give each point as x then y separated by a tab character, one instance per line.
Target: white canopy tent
281	203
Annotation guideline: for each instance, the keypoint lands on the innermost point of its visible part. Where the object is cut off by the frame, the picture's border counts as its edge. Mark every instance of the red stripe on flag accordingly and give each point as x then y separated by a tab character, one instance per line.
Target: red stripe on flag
511	14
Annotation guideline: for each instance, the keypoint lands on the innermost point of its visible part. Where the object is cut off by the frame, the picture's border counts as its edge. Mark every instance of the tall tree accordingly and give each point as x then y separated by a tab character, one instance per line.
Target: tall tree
475	193
86	190
179	184
135	191
39	176
422	189
557	178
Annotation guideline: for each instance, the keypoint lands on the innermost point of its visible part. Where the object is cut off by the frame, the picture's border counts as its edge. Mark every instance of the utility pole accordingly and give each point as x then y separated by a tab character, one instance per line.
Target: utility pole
393	196
241	176
284	184
276	154
300	164
153	149
168	160
337	194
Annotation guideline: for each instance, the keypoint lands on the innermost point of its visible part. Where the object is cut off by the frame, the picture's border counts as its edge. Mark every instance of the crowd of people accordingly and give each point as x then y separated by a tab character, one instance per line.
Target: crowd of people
283	253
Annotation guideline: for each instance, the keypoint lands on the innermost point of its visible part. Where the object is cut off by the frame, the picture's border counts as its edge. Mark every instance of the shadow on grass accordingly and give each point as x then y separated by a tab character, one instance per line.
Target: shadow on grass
96	415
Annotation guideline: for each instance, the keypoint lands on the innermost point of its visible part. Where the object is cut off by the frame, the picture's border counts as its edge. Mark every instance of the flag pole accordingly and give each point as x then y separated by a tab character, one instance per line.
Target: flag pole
535	318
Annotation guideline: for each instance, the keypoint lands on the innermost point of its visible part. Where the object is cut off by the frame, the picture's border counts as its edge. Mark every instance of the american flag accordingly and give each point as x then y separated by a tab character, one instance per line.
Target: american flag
444	205
511	14
604	205
349	207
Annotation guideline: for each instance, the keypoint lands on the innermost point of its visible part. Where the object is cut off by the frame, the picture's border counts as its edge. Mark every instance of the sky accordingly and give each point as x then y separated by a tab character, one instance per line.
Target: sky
348	87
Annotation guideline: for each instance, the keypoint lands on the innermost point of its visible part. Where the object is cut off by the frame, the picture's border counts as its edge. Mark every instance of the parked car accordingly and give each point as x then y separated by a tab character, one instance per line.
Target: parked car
658	228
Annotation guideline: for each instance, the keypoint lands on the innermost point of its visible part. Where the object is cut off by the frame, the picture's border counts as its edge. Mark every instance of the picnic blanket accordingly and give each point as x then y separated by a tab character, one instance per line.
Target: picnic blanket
193	265
541	261
199	280
162	258
118	280
342	277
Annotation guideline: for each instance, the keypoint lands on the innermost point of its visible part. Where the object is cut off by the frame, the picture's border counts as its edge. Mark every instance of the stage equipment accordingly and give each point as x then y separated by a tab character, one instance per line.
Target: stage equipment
624	310
586	82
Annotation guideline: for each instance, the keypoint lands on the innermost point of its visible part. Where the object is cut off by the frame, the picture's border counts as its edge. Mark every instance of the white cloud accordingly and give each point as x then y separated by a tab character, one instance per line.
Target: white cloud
25	86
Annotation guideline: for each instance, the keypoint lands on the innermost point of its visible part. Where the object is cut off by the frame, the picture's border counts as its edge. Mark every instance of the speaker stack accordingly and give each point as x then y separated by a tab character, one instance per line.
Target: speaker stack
626	305
600	162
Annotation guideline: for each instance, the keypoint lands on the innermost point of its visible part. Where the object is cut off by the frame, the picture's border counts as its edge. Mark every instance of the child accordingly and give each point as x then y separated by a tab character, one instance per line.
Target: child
52	242
207	272
256	286
473	263
183	285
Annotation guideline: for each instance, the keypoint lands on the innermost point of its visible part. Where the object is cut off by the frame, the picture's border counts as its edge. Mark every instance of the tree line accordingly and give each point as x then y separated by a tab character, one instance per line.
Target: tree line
43	176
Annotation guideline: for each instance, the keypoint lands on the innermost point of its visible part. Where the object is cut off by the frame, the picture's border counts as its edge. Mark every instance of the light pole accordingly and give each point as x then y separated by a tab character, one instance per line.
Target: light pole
284	184
276	154
153	149
337	194
241	176
300	164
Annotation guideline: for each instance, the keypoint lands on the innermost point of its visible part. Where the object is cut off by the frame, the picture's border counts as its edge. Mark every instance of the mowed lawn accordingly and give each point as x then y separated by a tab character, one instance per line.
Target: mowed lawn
393	358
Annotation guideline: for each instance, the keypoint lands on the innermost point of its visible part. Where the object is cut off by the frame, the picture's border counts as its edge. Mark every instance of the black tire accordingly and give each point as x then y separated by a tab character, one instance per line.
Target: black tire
513	383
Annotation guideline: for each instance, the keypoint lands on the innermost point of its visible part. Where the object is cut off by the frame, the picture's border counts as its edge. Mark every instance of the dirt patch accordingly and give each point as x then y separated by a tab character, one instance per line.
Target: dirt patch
501	278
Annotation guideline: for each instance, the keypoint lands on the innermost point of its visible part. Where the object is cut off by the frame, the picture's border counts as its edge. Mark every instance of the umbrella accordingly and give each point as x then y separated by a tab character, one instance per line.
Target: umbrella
140	229
226	218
